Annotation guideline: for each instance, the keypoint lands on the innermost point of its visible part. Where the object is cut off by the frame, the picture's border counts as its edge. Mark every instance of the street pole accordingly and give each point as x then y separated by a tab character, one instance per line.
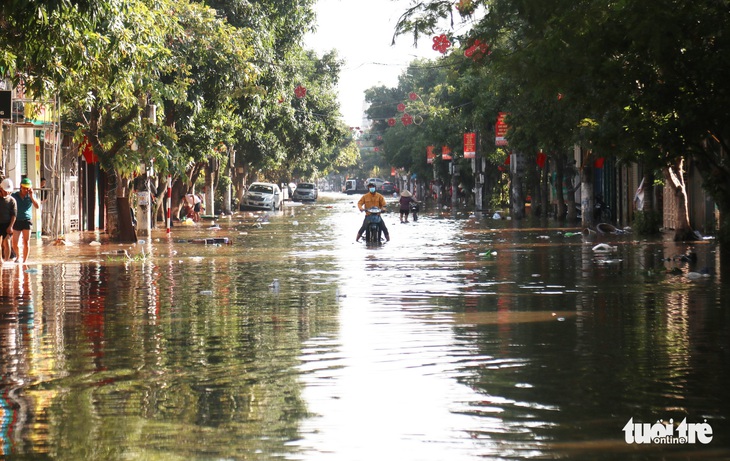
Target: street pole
169	203
478	176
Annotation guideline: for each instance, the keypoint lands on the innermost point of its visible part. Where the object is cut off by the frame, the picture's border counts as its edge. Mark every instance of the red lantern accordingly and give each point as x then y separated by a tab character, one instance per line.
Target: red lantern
413	96
300	92
401	107
441	43
391	122
406	119
478	50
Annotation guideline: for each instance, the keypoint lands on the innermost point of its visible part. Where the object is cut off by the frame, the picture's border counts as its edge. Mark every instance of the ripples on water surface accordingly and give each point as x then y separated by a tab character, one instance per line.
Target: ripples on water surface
462	338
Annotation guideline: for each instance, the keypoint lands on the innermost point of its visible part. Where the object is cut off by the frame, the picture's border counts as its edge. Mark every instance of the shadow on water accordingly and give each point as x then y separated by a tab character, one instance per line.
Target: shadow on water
462	338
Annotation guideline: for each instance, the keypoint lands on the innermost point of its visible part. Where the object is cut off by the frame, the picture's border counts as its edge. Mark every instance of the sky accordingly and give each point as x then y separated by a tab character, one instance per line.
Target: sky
362	32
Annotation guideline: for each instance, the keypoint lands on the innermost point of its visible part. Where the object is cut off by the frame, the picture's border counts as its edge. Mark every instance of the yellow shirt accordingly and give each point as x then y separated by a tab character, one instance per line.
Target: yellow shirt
370	200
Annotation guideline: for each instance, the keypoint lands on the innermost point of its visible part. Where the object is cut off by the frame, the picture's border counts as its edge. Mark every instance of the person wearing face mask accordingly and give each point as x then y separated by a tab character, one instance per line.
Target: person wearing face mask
369	200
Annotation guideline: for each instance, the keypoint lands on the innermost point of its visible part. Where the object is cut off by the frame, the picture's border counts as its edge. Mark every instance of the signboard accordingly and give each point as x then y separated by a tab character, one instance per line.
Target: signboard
500	130
470	145
445	153
430	155
5	104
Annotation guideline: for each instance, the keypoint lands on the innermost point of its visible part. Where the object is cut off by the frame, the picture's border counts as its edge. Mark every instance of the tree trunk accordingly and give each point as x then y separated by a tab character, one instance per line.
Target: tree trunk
561	210
587	202
675	179
118	214
518	198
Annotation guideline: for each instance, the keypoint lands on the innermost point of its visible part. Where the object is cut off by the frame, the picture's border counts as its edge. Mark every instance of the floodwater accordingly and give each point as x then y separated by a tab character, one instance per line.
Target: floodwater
464	338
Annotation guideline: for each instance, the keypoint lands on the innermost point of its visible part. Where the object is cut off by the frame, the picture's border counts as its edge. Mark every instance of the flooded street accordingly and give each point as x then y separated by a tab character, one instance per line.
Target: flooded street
463	338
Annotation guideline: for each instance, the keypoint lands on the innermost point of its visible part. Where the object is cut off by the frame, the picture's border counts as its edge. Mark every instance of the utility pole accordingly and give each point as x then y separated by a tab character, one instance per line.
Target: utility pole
477	168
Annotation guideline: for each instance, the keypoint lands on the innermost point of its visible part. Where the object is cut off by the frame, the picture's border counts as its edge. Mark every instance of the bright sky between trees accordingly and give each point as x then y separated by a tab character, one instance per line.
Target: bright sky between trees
362	32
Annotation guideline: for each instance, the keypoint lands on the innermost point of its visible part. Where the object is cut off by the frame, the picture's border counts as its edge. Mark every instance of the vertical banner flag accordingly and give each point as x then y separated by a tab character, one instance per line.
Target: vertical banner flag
541	159
500	130
470	145
430	155
446	153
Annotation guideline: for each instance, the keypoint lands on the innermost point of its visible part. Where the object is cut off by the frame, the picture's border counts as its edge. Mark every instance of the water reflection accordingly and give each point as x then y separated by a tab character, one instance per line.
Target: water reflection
462	338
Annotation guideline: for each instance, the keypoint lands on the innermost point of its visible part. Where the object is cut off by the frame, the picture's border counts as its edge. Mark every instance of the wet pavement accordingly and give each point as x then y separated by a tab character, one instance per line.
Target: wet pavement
463	338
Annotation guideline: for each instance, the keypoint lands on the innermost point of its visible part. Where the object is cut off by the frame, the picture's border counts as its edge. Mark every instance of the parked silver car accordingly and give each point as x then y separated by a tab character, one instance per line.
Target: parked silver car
305	191
262	196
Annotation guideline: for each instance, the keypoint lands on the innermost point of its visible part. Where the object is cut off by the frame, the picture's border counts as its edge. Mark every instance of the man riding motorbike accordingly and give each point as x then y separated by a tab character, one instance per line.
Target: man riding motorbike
367	201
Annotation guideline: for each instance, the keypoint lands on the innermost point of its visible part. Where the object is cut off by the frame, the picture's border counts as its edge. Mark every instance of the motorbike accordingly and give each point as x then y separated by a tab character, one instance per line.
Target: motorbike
373	232
414	210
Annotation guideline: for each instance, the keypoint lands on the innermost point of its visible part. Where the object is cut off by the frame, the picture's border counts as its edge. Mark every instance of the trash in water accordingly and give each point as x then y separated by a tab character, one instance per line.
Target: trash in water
604	248
211	241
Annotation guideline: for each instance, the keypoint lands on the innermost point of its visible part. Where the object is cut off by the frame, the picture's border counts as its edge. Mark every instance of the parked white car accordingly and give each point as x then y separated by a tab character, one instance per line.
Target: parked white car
305	191
262	196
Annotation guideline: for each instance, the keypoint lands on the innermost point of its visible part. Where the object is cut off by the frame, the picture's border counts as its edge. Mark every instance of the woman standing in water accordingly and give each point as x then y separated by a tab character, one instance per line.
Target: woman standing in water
405	205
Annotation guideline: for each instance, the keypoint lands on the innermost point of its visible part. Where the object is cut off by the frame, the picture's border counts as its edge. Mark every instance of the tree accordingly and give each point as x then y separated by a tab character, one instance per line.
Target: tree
648	76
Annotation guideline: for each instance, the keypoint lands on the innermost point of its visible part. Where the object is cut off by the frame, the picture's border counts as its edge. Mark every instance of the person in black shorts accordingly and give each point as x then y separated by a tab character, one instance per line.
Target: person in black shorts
8	214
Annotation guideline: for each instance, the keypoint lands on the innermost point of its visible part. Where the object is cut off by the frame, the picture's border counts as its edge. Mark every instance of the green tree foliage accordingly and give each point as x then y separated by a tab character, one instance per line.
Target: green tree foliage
221	75
645	81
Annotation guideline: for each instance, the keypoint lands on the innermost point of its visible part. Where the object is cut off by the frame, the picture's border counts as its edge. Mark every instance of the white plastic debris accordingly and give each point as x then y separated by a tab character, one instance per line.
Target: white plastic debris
604	248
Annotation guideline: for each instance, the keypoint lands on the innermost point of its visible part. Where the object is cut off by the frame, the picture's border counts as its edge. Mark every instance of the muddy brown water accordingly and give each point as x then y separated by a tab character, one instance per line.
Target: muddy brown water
463	338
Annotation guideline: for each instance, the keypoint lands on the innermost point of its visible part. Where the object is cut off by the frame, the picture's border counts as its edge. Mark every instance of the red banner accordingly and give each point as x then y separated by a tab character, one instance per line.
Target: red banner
429	154
500	130
445	153
541	158
470	145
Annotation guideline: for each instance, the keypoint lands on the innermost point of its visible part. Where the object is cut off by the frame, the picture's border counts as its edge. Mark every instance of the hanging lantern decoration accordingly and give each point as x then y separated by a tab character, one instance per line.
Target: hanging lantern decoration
598	163
406	119
412	96
441	43
401	107
391	122
465	7
478	50
300	92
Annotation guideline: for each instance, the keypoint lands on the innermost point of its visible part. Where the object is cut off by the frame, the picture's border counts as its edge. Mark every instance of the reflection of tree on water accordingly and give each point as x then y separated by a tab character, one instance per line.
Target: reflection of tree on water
16	335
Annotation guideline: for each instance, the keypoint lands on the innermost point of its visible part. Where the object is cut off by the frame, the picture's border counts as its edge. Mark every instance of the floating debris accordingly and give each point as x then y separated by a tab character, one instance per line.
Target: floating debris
604	248
211	241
